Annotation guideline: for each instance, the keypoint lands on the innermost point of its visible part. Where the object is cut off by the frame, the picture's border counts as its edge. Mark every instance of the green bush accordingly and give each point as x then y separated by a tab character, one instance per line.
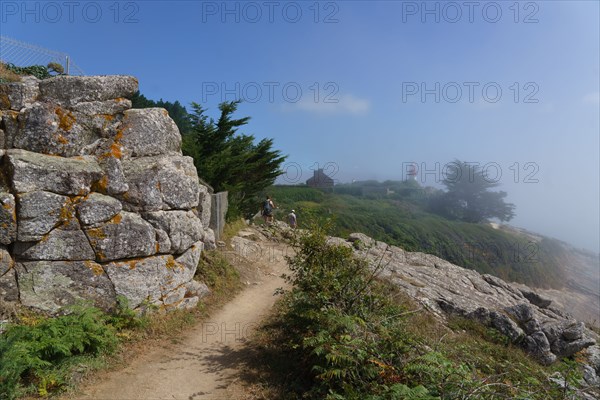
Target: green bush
39	71
28	353
349	337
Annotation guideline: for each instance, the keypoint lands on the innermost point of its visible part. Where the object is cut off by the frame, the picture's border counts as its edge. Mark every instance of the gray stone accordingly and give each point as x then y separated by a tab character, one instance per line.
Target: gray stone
204	204
16	95
39	213
196	289
163	243
590	377
506	326
521	312
574	332
183	228
191	257
593	356
188	303
138	280
9	291
160	183
51	285
174	275
69	176
209	239
150	132
50	129
538	346
97	208
127	235
536	299
104	108
10	121
174	296
113	182
8	218
360	239
58	245
2	137
71	90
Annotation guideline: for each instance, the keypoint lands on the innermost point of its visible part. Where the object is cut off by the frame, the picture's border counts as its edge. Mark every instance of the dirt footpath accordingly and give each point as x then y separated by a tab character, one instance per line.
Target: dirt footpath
208	358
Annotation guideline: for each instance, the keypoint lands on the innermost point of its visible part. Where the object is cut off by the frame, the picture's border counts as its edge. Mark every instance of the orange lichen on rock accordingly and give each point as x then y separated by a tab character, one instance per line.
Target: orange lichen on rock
96	268
102	185
62	140
65	119
171	263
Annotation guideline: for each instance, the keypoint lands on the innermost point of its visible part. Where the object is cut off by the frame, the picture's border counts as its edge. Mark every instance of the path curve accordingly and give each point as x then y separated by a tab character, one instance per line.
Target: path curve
207	359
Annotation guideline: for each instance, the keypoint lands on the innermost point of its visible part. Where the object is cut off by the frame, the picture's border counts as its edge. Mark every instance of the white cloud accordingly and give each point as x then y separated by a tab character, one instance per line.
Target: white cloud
592	98
346	104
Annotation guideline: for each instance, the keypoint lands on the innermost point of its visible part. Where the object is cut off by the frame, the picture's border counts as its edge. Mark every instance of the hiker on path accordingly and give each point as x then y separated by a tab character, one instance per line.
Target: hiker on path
292	219
267	210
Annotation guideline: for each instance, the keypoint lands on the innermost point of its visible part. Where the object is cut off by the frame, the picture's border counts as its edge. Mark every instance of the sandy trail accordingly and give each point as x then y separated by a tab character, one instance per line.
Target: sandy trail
207	359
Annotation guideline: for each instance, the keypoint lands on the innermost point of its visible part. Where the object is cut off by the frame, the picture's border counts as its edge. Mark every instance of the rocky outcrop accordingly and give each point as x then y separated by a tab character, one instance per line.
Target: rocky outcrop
97	200
525	317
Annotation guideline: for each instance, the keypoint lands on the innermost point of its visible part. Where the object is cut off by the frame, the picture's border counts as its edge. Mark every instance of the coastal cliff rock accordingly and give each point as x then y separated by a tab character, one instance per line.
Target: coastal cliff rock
522	315
97	200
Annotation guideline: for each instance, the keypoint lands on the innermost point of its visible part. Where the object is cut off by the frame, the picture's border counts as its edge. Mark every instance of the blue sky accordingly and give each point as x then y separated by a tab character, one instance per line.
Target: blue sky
392	69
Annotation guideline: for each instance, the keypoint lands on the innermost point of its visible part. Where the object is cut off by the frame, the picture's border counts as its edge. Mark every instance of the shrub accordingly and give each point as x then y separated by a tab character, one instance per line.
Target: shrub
28	352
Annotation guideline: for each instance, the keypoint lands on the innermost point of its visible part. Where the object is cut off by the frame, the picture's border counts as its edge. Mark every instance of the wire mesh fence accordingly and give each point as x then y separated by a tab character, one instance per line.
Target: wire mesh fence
24	54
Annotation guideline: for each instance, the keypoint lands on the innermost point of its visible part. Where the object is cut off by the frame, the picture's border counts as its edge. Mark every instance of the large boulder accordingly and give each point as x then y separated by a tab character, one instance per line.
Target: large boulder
183	228
52	285
59	244
126	235
160	183
96	208
71	90
39	213
68	176
149	132
17	95
50	129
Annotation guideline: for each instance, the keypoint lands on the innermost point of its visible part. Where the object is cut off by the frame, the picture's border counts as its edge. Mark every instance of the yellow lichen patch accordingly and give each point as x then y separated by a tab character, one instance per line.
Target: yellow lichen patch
116	150
108	117
116	219
96	234
62	140
96	268
65	119
101	185
171	263
132	264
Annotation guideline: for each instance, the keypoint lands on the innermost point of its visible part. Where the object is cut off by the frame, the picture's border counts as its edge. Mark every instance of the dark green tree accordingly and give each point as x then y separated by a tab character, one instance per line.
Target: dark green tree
229	160
468	196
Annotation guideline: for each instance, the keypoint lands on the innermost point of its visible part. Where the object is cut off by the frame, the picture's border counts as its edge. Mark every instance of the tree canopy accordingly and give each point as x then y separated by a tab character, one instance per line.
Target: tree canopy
468	196
229	160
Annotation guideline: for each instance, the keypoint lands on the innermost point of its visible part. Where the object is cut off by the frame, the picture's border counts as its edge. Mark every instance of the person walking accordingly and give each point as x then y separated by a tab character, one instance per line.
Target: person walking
267	210
292	219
